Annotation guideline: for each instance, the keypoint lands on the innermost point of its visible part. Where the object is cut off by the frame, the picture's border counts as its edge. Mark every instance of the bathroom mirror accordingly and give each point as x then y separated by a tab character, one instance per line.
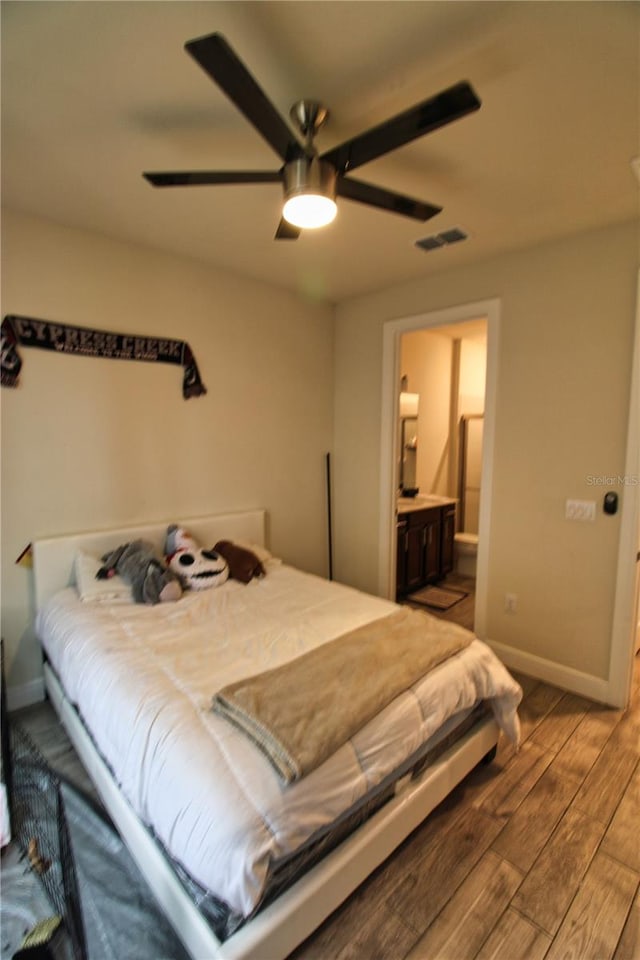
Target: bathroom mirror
408	456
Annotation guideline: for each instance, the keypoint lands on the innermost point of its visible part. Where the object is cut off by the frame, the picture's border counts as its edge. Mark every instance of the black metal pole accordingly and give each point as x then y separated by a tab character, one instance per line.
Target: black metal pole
328	462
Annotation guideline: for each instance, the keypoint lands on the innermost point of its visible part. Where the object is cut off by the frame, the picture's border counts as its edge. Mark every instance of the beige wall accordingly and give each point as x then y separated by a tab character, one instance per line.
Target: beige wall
429	360
471	400
89	443
473	374
564	362
426	359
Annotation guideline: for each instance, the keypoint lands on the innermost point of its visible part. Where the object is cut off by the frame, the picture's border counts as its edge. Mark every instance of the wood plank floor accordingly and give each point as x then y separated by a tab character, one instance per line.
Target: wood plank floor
537	855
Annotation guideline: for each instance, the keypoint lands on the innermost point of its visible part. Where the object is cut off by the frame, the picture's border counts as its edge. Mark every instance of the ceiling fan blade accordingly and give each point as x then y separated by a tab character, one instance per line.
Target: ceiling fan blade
197	178
216	58
287	231
385	199
443	108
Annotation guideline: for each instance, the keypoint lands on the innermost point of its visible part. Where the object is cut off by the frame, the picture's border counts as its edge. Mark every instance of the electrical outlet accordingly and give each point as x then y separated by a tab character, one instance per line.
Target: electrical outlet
510	602
580	510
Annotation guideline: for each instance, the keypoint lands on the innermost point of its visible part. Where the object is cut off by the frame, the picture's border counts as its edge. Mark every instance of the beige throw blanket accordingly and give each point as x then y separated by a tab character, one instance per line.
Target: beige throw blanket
301	712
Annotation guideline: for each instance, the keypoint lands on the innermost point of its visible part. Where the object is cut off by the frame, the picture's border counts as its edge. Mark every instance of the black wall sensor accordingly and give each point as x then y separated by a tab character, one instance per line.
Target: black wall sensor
610	502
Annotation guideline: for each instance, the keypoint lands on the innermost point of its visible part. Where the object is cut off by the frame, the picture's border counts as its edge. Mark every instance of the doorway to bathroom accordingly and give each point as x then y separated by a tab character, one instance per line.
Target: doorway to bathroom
443	377
449	360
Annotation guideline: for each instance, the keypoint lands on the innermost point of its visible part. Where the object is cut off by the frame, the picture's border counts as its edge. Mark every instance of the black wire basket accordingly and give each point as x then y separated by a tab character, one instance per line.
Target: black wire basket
39	826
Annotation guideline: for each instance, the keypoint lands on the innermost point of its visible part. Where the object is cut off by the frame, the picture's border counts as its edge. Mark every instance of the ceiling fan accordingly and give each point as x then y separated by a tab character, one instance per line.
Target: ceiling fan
311	181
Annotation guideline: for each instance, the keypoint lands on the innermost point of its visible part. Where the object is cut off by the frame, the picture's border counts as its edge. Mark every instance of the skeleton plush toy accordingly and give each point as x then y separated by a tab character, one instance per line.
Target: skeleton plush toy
197	569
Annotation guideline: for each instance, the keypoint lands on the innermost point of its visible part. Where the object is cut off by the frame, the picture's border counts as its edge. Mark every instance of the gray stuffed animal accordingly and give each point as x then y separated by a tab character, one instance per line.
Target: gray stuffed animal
136	562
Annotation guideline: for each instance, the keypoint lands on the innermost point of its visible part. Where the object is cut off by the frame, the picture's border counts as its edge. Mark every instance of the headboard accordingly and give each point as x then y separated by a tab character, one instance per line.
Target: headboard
53	558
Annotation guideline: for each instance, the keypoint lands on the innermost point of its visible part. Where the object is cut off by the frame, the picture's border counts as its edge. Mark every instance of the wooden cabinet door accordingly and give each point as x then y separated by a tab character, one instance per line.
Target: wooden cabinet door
415	557
446	539
431	540
424	547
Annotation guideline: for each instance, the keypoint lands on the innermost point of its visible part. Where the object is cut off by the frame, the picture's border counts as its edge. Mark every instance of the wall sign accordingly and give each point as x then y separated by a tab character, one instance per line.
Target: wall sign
63	338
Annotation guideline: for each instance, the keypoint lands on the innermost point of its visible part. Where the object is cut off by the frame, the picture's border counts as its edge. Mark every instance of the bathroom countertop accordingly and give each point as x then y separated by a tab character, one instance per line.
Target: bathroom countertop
410	504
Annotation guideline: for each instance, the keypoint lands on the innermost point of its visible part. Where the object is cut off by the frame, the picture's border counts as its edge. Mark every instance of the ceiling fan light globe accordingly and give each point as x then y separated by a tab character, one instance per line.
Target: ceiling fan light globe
309	211
309	193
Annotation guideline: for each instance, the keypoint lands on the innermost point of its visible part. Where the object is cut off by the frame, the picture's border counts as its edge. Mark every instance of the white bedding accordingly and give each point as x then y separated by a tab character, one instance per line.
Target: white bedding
143	678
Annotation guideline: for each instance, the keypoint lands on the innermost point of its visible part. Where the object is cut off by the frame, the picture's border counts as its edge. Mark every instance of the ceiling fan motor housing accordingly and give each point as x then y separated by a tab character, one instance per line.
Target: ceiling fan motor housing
309	175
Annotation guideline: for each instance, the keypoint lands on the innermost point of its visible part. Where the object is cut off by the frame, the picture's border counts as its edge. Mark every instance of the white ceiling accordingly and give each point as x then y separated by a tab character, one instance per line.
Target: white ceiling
93	93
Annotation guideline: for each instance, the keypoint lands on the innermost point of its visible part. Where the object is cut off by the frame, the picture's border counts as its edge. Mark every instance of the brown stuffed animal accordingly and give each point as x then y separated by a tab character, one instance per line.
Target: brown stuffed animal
243	564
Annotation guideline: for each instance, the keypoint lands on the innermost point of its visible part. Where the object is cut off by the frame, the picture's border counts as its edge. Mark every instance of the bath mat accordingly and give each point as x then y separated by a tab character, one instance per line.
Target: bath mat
439	597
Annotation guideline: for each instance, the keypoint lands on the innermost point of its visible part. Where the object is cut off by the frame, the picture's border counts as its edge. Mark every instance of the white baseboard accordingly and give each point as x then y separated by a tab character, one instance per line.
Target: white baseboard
567	678
25	694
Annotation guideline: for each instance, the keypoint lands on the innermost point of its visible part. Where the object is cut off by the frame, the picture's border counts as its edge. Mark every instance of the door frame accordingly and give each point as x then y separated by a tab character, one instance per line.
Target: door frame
391	336
625	611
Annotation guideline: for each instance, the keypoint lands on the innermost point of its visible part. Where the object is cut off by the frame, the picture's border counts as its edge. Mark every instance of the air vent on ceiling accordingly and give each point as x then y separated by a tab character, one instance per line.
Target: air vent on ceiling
436	240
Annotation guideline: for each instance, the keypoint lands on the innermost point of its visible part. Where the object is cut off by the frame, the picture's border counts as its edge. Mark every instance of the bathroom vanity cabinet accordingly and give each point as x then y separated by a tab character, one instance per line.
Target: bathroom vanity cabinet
425	531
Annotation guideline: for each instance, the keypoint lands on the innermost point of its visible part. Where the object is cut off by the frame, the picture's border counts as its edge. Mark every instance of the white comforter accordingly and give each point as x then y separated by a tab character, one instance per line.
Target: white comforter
143	678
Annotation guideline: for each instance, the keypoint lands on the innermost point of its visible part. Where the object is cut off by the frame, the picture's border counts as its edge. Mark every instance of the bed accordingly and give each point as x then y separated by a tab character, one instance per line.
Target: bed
243	864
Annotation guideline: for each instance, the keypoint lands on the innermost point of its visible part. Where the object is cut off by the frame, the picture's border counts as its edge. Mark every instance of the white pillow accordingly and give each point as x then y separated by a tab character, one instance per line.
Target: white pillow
112	590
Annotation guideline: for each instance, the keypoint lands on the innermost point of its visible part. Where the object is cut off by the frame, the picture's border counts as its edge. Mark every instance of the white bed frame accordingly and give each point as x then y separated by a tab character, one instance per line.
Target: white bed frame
275	931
